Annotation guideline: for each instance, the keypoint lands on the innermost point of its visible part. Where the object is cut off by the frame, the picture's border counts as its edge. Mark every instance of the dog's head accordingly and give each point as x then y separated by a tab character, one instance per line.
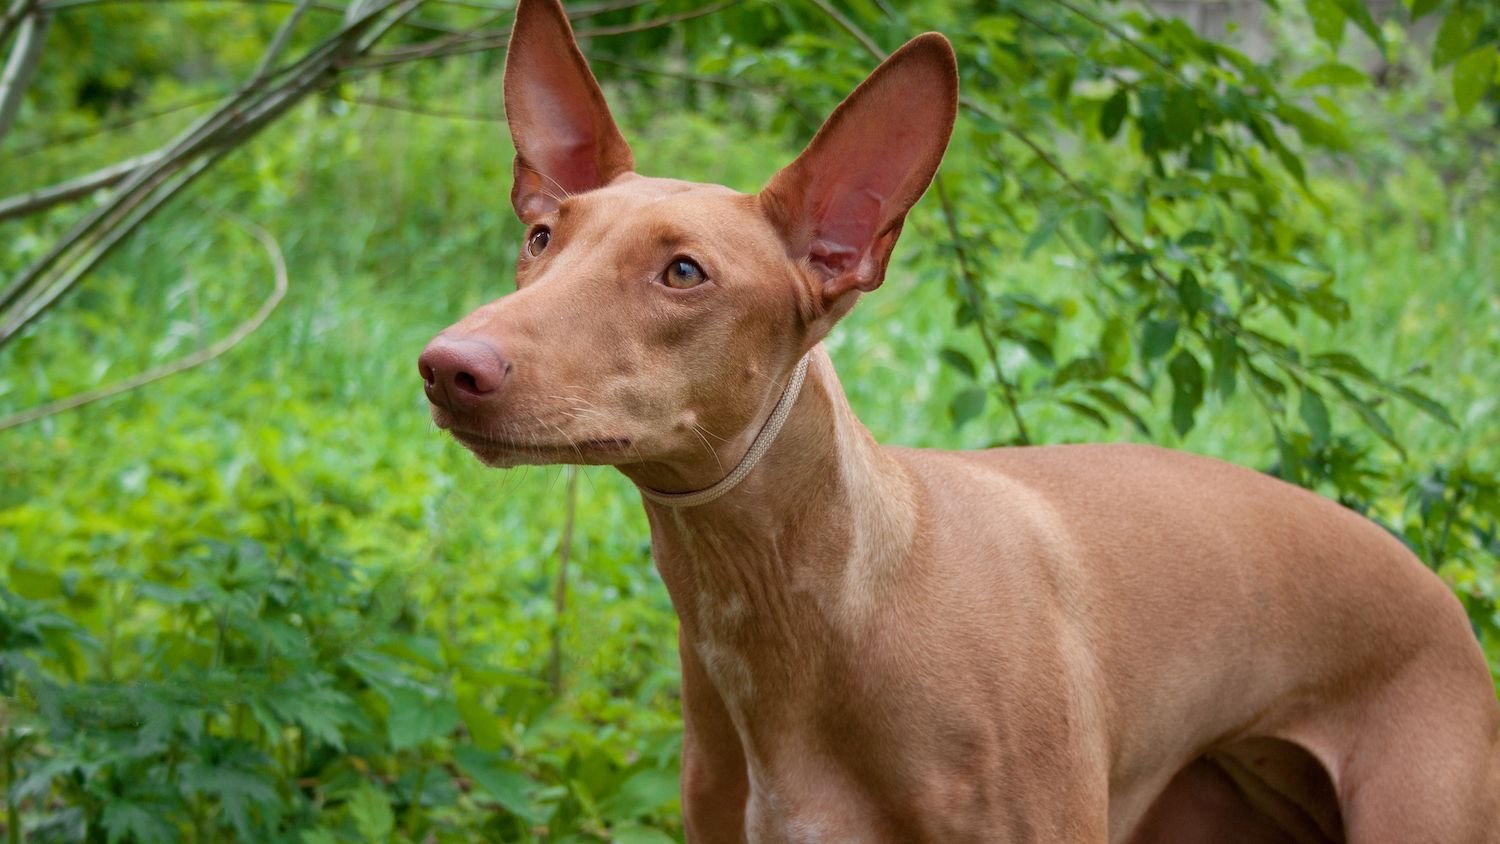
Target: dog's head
655	317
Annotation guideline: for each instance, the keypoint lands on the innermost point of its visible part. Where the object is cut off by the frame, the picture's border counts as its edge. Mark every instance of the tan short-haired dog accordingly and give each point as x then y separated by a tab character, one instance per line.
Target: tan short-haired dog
1057	644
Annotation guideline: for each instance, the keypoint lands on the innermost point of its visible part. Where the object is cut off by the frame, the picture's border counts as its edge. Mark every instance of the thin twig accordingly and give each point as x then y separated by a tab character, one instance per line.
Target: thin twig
655	23
12	18
426	111
971	286
278	43
1120	34
21	67
229	341
720	81
331	8
849	26
485	40
43	296
41	199
66	138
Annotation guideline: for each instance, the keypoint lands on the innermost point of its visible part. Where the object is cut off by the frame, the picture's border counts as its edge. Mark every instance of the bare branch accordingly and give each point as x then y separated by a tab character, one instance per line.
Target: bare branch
12	18
278	43
426	111
315	5
229	341
44	198
731	83
39	298
655	23
240	116
66	138
848	26
22	65
484	40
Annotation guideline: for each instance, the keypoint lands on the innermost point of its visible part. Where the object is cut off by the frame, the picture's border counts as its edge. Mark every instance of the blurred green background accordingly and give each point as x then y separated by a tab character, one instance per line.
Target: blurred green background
265	599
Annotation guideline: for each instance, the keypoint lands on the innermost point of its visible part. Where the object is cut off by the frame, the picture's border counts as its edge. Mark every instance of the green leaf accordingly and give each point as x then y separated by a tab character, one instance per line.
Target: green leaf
1286	454
1187	390
1315	415
967	405
504	783
482	723
1118	405
1090	413
1328	21
640	835
371	811
1041	234
1189	292
1457	34
1157	338
1195	238
1181	115
1427	404
123	820
416	720
959	361
1331	74
1345	363
648	792
1472	76
1369	415
1359	12
1421	8
1225	353
1112	115
1092	224
1114	342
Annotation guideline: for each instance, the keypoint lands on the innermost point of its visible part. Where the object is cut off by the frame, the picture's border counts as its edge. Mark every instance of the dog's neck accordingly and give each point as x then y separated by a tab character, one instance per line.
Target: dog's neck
769	578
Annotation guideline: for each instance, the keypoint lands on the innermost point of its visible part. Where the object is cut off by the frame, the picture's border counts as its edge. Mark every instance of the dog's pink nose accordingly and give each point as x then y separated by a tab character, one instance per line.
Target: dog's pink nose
461	371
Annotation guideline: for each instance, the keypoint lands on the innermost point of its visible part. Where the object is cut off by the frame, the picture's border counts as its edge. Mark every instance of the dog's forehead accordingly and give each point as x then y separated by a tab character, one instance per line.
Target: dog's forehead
635	195
657	205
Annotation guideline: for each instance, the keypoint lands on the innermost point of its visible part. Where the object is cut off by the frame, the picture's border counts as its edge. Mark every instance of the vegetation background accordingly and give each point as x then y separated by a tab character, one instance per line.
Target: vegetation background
265	600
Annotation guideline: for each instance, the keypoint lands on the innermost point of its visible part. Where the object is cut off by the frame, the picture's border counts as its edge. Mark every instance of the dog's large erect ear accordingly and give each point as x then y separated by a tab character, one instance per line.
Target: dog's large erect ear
566	141
842	202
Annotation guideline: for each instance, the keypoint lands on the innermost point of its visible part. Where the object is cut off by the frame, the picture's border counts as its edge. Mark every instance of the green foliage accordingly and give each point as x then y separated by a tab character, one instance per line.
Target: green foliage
264	600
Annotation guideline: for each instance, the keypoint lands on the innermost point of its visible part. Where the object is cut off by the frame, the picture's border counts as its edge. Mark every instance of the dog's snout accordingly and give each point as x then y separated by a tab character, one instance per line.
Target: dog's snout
462	371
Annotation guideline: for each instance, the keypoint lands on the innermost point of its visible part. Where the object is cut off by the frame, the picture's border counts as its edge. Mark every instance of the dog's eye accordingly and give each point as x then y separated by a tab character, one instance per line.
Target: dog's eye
683	273
538	241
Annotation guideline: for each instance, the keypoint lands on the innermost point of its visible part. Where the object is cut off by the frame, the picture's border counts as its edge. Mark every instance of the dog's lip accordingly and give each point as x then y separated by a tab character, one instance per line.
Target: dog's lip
475	440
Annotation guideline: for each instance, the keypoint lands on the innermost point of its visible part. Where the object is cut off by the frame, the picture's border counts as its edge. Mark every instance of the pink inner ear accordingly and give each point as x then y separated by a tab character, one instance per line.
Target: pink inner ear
870	162
566	141
563	141
844	224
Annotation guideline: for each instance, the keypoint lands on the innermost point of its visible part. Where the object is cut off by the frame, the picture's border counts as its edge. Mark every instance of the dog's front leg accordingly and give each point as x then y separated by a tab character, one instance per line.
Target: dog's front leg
715	786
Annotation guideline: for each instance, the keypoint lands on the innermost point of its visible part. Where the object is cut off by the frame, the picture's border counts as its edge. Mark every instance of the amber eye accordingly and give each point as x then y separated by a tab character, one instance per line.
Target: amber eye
683	273
538	241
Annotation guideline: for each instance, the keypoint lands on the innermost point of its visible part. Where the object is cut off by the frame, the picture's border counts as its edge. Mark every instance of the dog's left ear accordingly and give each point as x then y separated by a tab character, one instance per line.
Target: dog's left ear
566	141
841	204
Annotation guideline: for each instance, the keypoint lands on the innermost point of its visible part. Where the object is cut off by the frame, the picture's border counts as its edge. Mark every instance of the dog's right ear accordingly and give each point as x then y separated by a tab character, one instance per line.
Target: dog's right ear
841	204
566	141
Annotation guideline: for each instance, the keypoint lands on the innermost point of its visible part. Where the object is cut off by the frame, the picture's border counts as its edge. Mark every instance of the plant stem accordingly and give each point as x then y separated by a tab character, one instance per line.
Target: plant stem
1442	546
560	594
12	811
971	285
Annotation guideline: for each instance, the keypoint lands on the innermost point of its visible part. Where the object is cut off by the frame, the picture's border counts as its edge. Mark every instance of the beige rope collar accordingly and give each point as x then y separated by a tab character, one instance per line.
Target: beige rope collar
758	449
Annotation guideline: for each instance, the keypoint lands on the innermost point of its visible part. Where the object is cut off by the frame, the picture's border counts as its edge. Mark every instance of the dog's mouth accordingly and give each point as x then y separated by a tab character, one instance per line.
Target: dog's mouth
499	450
